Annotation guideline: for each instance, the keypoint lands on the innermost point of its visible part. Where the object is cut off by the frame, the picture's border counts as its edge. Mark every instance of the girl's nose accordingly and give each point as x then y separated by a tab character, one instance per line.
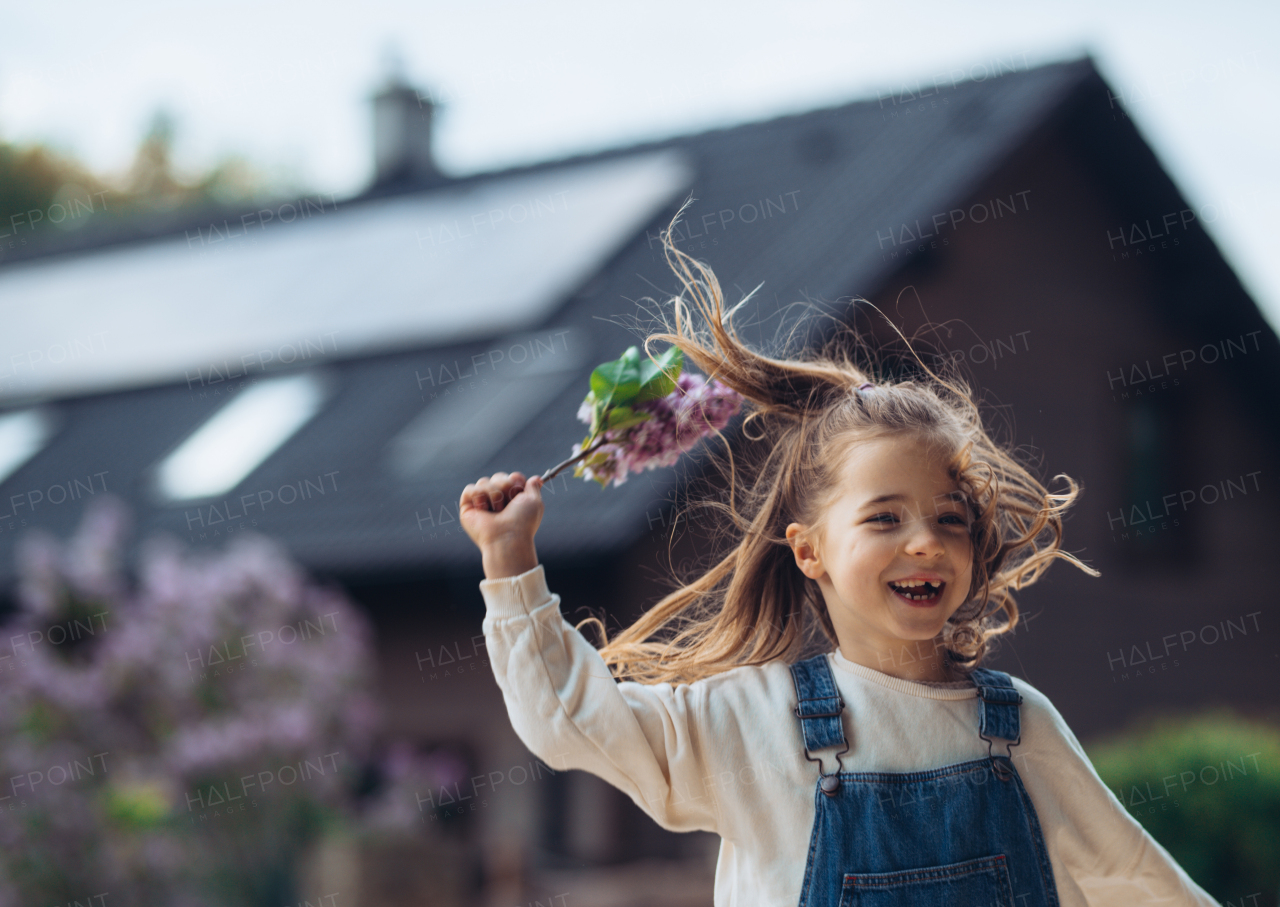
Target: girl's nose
924	540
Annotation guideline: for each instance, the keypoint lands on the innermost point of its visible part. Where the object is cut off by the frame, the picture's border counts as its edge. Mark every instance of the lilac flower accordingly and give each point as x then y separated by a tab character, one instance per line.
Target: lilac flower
164	702
694	409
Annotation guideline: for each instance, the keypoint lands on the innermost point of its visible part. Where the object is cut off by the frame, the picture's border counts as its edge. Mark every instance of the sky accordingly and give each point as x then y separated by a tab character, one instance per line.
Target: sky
287	85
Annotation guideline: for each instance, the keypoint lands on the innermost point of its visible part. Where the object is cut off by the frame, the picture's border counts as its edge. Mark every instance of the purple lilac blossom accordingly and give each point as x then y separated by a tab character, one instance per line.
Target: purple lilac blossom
694	409
188	684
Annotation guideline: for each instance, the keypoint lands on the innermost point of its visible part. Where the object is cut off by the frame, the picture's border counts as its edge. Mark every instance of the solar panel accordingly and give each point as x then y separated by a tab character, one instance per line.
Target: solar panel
424	269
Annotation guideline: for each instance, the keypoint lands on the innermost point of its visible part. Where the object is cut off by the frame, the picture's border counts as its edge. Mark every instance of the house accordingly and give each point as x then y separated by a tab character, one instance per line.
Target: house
399	344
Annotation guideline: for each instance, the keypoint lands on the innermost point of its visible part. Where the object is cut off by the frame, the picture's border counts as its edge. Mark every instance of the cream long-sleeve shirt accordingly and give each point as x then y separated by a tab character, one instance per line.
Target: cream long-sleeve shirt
726	755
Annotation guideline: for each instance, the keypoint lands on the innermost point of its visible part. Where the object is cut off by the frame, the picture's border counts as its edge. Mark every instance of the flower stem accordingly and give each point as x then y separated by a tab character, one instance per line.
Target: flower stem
555	470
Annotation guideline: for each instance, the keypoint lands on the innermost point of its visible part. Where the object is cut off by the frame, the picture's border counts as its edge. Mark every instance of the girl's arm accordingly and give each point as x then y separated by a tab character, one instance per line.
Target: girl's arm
568	710
564	704
1109	859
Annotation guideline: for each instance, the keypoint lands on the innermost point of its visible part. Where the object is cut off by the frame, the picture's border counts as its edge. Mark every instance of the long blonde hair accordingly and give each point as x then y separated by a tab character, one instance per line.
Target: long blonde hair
754	605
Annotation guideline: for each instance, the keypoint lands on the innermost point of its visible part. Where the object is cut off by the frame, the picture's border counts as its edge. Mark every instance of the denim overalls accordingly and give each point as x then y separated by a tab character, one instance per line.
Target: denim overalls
963	835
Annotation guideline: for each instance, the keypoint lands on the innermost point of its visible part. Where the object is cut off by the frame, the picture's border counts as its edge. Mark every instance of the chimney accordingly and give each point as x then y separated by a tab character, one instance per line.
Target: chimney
402	136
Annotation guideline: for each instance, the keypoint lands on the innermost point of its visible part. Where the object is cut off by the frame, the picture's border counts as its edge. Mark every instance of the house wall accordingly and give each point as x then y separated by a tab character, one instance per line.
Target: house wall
1066	315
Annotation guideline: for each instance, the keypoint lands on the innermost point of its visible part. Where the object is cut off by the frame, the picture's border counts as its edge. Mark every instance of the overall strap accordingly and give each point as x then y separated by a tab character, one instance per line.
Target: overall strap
998	704
819	705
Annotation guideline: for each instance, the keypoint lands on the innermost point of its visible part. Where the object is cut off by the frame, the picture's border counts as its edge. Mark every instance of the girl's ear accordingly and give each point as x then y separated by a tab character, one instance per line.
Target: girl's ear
806	555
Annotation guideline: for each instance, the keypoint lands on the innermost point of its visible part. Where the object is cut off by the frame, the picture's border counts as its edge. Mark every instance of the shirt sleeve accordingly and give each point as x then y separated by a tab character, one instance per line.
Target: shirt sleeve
1099	850
644	739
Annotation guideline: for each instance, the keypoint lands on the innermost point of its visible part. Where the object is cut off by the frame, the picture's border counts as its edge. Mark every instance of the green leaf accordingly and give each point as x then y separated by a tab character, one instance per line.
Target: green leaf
617	381
639	417
653	382
626	416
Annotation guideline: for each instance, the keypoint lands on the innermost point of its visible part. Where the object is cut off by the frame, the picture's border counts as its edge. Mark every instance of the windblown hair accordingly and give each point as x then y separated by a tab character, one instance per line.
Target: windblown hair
755	605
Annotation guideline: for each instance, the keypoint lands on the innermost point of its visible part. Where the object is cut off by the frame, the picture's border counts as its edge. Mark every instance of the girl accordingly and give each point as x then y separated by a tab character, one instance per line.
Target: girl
877	517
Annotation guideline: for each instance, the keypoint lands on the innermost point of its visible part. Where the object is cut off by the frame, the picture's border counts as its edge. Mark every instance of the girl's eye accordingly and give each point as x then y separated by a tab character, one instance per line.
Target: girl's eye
949	519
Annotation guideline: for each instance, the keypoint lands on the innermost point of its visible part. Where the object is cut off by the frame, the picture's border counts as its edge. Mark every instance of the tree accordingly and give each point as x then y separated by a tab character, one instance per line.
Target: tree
37	178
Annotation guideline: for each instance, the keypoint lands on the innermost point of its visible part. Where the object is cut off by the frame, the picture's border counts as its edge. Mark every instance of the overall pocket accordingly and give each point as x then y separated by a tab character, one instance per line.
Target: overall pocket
983	882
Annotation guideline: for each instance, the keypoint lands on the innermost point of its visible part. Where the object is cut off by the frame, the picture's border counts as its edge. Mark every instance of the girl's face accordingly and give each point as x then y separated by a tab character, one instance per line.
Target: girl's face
896	558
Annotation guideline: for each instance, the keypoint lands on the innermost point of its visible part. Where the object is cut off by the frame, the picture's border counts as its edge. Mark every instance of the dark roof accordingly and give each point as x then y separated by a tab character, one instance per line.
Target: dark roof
807	193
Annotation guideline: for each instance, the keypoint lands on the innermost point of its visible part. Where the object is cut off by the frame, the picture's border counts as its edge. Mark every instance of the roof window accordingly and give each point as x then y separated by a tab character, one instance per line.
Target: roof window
22	433
239	437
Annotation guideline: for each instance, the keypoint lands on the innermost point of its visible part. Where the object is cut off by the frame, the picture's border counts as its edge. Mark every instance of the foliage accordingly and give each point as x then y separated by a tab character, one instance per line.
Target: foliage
1208	789
36	179
179	738
32	178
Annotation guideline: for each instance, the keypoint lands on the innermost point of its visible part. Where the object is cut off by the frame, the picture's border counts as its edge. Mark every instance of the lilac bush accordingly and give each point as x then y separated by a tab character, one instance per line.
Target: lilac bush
177	737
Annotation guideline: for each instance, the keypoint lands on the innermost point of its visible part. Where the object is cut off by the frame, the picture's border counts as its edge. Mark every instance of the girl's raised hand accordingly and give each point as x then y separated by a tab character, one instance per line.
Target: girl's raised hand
501	514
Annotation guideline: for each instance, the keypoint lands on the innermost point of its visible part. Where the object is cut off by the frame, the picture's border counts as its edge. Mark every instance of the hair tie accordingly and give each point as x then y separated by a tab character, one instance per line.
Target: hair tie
866	385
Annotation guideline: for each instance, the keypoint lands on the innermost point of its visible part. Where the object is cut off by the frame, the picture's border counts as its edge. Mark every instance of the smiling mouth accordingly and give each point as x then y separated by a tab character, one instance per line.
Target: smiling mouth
919	592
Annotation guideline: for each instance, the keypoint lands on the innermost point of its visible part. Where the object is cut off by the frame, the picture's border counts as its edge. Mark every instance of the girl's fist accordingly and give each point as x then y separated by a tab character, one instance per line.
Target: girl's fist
502	510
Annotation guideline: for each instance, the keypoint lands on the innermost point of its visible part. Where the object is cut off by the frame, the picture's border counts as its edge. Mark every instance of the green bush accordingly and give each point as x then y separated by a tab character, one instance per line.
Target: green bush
1207	787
